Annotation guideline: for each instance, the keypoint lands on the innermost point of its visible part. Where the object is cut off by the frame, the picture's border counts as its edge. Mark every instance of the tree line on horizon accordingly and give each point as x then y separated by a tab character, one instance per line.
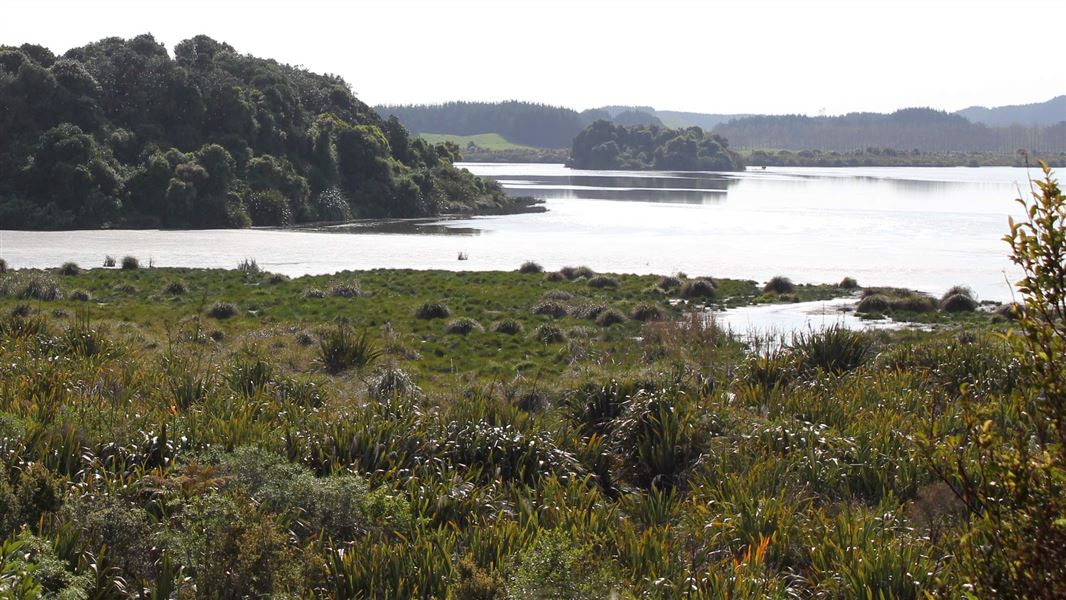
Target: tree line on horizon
605	145
120	133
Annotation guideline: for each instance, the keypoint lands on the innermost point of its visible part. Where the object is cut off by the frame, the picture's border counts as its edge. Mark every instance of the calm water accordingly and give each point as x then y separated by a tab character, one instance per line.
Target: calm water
925	228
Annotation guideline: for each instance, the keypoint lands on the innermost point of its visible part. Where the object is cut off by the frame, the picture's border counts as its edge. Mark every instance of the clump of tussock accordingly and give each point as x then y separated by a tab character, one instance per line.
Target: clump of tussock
959	298
1012	311
587	311
668	282
432	310
647	312
314	293
222	310
507	326
779	285
610	317
554	276
109	262
873	304
23	326
463	326
175	288
572	273
276	278
554	310
345	289
530	267
392	382
3	266
30	285
341	348
130	263
560	295
70	269
124	288
248	266
548	334
21	310
700	288
603	282
833	350
81	295
886	300
848	283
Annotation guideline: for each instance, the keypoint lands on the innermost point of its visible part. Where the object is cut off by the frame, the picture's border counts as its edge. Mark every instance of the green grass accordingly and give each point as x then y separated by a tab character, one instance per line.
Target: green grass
488	141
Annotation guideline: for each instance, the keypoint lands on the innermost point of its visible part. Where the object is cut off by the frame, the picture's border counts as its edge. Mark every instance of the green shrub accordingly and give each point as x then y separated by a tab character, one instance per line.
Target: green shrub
779	285
70	269
530	267
603	282
556	567
507	326
463	326
222	310
699	288
130	263
340	348
647	312
432	310
551	309
548	334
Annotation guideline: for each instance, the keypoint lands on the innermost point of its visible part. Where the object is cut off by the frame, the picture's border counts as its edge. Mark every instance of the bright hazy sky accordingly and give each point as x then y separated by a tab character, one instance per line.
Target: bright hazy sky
759	56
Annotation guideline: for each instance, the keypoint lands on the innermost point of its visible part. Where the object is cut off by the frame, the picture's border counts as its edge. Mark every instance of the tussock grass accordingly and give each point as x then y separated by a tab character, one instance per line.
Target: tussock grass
602	281
572	273
130	263
463	326
222	310
341	348
81	295
848	283
530	267
109	262
699	288
175	288
554	310
647	312
30	285
548	334
508	326
779	285
610	317
69	269
248	266
432	310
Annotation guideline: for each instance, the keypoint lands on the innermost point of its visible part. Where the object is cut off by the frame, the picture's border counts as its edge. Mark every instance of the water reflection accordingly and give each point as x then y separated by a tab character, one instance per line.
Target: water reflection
674	187
397	226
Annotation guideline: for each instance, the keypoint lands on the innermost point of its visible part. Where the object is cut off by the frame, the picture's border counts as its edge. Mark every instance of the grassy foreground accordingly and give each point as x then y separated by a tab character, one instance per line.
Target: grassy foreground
488	141
172	433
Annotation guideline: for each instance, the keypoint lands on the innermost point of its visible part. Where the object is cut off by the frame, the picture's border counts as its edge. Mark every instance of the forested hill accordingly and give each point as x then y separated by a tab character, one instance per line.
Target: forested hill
604	145
119	133
1038	113
924	129
525	123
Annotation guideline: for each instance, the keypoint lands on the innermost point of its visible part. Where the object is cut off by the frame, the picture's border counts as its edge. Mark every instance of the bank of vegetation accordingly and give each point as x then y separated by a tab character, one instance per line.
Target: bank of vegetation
890	157
385	434
120	133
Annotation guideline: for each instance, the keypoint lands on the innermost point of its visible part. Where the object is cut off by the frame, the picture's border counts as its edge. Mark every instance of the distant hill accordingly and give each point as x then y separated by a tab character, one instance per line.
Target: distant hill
675	118
1039	113
522	123
923	129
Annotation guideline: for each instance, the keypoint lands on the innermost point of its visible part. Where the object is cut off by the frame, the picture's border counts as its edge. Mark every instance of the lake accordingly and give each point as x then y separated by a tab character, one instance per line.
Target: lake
923	228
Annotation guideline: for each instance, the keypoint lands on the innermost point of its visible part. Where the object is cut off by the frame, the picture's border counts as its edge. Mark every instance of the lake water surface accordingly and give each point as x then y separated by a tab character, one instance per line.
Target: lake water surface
924	228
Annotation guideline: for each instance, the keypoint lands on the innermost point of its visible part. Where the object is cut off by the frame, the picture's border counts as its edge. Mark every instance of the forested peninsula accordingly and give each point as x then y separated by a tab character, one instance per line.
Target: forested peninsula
119	133
604	145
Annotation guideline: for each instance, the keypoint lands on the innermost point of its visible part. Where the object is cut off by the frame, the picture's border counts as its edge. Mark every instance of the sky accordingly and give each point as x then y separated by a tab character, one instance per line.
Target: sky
730	56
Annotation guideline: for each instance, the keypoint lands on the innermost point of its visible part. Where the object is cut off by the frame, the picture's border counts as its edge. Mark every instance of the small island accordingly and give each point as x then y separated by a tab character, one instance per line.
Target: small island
604	145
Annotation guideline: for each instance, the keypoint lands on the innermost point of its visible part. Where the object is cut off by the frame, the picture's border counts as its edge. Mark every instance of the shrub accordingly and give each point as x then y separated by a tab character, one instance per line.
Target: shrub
610	317
248	266
70	269
647	312
779	285
548	334
668	283
463	326
958	290
530	267
347	289
222	310
81	295
603	282
551	309
554	276
130	263
573	273
873	304
958	303
432	310
174	288
314	293
109	261
507	326
340	348
699	288
555	567
848	283
276	278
